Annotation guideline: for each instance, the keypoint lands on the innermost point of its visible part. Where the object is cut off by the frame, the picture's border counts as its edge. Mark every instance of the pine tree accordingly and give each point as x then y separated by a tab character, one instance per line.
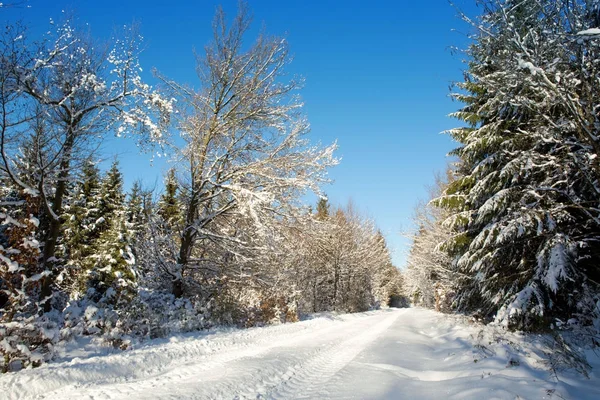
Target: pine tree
322	209
136	215
112	198
114	276
81	229
112	270
524	204
168	206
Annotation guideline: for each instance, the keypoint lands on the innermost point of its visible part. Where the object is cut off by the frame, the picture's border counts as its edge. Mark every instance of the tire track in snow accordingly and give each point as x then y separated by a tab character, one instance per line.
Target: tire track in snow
211	374
164	361
307	378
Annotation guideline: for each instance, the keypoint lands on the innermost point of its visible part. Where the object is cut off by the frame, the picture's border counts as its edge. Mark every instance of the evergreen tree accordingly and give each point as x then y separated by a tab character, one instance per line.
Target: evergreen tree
114	276
525	202
322	209
168	206
81	229
112	270
136	214
112	198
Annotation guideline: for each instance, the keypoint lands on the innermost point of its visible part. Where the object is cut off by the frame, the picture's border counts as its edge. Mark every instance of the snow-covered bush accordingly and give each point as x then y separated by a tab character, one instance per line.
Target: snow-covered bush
156	314
149	314
564	354
27	342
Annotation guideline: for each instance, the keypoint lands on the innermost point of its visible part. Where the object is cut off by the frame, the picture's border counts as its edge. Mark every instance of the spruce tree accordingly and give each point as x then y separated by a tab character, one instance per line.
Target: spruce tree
114	276
524	204
80	229
112	198
135	212
322	209
168	206
112	272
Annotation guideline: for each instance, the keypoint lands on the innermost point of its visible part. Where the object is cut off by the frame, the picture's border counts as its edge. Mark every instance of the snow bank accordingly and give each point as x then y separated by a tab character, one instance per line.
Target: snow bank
387	354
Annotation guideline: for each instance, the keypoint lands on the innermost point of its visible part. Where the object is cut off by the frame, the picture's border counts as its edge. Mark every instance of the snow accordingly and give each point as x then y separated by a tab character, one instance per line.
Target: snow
13	266
34	221
556	267
589	32
528	65
388	354
31	192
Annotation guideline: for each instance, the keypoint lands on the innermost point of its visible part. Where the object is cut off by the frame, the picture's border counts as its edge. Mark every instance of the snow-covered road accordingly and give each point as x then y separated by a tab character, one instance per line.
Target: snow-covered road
389	354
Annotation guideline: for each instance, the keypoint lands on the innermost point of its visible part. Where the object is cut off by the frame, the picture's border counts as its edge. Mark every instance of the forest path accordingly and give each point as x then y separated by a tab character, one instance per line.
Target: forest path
387	354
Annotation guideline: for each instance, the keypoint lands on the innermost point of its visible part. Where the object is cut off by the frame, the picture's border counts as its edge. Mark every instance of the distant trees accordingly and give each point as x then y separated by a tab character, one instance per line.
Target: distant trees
523	204
430	279
346	265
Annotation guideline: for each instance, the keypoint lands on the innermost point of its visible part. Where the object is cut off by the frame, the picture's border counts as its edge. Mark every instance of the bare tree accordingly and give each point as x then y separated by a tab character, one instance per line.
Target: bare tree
430	278
244	149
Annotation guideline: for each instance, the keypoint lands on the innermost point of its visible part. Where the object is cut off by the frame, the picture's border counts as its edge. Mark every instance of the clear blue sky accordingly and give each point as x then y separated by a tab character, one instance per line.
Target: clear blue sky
377	76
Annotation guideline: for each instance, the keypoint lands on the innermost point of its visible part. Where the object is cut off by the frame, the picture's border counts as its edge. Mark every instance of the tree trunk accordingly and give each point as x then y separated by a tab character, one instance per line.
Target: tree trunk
185	249
55	223
315	295
336	278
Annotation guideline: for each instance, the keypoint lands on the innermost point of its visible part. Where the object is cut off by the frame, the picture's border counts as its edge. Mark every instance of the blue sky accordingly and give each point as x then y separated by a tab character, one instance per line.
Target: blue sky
377	76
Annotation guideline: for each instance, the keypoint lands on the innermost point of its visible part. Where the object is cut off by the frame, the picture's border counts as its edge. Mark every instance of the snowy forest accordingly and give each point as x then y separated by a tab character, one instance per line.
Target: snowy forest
510	234
227	240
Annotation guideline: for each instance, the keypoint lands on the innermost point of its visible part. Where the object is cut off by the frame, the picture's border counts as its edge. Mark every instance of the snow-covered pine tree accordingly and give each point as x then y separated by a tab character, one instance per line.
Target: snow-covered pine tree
111	271
81	230
322	209
137	216
114	276
169	207
525	201
112	197
26	339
